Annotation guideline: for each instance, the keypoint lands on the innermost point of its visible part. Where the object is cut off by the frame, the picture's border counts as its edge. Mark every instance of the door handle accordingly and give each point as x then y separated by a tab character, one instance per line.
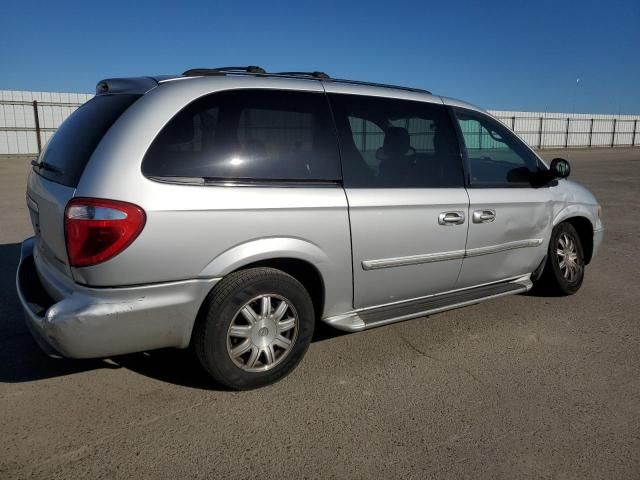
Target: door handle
451	218
484	216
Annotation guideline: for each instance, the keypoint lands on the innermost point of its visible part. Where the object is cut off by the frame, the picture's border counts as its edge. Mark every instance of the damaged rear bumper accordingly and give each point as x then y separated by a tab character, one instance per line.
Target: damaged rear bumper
75	321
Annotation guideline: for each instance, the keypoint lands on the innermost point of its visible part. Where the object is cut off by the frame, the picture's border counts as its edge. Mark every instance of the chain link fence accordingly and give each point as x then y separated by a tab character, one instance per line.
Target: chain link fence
29	119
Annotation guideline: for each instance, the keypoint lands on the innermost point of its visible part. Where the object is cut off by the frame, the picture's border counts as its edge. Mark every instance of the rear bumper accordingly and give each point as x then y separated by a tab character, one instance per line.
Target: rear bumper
73	321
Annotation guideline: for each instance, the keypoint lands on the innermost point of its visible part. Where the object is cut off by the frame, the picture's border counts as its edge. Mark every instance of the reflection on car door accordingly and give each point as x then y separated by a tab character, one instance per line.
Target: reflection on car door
403	179
509	220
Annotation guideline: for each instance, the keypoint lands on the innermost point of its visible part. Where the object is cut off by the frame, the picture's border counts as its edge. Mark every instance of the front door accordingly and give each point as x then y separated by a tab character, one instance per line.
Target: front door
403	179
510	219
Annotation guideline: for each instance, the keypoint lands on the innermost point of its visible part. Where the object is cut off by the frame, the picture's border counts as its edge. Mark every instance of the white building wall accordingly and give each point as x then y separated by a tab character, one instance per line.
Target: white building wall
17	118
557	130
538	129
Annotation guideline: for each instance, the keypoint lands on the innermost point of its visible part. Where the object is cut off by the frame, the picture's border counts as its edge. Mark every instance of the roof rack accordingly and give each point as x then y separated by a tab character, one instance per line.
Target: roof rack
382	85
318	75
315	75
200	72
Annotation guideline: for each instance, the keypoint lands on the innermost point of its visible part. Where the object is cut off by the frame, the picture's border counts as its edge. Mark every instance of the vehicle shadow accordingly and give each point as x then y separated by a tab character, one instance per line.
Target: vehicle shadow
540	292
181	367
21	360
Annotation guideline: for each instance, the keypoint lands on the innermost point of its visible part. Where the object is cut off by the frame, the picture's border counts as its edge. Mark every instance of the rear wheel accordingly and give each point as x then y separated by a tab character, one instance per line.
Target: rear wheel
564	271
254	328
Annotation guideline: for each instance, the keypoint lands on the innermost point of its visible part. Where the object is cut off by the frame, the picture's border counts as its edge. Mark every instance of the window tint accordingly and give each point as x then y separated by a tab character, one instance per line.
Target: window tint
68	151
495	156
248	134
368	138
388	143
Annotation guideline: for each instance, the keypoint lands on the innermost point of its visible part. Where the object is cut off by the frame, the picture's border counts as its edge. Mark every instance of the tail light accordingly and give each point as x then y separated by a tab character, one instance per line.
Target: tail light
97	230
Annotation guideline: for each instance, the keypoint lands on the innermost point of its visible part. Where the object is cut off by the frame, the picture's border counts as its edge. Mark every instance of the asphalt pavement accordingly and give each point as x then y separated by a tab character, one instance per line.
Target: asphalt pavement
518	387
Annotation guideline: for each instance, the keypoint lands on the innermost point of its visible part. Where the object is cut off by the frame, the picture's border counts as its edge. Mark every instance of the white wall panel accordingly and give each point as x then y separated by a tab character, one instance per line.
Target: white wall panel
4	143
584	129
17	119
12	142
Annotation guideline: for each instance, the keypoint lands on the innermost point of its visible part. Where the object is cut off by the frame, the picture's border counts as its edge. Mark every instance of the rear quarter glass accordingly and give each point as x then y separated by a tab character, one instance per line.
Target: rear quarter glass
70	148
248	134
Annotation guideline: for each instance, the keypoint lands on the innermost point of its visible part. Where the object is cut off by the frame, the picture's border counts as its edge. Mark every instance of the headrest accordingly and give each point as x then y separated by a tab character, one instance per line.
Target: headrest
396	141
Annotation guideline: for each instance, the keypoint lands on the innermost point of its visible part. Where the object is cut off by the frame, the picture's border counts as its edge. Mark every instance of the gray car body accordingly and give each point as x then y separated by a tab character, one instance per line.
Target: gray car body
372	249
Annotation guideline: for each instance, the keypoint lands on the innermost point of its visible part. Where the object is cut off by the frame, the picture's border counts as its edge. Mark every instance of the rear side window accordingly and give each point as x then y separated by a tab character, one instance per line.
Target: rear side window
70	148
248	134
391	143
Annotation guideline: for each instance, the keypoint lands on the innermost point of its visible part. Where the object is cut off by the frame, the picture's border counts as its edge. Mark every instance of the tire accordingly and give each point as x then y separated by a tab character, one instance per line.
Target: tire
563	278
241	334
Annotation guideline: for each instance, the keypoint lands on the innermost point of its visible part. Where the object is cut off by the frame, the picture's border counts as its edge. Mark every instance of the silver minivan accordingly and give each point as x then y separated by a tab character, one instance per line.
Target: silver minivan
229	210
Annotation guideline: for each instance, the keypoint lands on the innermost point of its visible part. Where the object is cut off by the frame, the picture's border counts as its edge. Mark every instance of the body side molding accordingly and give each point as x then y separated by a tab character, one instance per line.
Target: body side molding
452	255
411	260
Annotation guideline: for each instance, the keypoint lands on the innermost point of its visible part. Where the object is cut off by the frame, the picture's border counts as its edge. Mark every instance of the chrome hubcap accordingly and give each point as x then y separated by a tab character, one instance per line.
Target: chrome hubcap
568	259
262	333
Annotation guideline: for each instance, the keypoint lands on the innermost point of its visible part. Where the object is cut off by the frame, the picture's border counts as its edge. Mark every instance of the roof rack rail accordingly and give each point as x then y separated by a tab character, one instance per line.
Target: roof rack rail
200	72
316	74
383	85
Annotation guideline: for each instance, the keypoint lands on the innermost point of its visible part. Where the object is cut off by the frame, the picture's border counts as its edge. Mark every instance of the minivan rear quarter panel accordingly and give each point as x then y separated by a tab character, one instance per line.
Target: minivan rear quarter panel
190	226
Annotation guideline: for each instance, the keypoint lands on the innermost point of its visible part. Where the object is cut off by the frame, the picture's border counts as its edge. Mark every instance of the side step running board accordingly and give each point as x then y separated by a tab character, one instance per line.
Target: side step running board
377	316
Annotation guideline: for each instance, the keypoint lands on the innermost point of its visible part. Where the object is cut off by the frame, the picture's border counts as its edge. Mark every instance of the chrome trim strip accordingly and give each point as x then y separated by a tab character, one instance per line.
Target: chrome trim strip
230	182
476	252
411	260
452	255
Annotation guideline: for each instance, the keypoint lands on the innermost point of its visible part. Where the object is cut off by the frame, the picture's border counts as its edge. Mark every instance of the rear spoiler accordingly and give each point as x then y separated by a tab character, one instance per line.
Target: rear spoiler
140	85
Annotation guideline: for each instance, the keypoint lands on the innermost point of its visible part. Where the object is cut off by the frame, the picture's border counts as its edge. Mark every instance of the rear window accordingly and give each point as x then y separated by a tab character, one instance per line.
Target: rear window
68	151
248	134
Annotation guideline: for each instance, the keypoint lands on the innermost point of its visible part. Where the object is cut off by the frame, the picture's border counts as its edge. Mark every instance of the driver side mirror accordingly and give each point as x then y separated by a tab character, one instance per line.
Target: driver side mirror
560	168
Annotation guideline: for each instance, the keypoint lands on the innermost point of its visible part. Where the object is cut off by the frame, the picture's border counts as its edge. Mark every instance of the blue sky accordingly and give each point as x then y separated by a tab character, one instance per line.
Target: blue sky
499	54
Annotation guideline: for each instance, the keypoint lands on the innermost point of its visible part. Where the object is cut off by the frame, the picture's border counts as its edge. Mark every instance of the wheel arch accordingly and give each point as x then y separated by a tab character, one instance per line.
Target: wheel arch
584	228
303	271
301	259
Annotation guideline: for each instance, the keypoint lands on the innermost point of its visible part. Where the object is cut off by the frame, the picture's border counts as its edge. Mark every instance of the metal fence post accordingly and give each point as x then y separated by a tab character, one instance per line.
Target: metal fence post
591	134
513	123
566	135
540	134
633	135
613	134
37	119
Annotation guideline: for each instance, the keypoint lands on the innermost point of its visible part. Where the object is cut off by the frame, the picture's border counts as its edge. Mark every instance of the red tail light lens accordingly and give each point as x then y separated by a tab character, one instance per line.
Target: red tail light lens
97	230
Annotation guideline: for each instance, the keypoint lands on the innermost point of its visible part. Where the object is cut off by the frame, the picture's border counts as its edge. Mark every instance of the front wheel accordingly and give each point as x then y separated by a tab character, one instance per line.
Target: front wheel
564	271
254	328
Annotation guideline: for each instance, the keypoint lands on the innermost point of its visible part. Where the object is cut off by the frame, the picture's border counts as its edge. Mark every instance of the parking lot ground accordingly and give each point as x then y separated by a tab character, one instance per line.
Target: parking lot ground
517	387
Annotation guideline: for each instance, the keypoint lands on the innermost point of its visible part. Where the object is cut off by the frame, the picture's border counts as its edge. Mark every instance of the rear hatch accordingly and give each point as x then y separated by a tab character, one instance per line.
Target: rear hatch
57	171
